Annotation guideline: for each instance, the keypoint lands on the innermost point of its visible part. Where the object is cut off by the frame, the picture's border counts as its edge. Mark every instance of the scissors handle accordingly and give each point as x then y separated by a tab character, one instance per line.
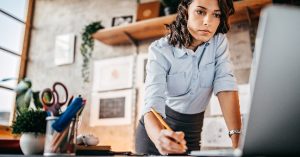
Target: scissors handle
47	97
57	95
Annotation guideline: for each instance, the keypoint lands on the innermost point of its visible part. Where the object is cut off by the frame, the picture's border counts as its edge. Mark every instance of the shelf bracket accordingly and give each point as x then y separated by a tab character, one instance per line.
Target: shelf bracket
131	39
252	31
249	13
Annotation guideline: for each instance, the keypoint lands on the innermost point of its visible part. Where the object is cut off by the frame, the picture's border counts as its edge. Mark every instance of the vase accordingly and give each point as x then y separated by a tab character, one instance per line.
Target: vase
32	143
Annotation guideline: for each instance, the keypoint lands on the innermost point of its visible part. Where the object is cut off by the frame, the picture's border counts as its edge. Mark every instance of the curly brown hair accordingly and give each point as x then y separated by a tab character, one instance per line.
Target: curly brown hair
179	34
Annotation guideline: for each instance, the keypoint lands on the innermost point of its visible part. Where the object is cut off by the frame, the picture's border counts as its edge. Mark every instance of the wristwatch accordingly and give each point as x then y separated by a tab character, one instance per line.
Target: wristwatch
231	132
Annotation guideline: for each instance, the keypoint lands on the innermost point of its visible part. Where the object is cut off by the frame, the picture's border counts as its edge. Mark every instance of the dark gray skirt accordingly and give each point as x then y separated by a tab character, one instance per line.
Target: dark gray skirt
190	124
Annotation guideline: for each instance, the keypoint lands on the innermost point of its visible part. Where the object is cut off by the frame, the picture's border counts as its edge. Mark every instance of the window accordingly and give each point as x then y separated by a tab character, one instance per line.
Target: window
13	21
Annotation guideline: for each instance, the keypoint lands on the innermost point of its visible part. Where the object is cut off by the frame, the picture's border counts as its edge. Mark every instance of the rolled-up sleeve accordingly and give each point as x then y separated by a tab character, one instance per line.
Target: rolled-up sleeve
155	85
224	77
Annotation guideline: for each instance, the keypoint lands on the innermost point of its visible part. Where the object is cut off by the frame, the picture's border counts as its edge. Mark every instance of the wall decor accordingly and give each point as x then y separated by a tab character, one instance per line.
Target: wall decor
140	102
87	47
215	133
148	10
121	20
142	59
64	49
115	73
111	108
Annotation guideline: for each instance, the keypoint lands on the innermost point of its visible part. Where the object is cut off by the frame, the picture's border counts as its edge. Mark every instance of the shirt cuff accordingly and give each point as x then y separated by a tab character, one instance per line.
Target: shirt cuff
224	85
158	106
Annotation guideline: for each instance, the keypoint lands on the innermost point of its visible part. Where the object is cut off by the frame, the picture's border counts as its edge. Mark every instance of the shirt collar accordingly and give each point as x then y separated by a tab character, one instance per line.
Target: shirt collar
180	52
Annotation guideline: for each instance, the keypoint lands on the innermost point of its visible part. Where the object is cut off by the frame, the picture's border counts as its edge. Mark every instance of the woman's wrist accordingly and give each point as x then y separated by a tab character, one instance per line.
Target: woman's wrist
152	126
235	140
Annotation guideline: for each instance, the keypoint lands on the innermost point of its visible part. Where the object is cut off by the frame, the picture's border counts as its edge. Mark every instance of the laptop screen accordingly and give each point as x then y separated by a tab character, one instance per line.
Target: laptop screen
272	125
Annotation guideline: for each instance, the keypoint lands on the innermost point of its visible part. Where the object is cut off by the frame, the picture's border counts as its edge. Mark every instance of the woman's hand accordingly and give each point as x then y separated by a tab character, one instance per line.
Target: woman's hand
170	142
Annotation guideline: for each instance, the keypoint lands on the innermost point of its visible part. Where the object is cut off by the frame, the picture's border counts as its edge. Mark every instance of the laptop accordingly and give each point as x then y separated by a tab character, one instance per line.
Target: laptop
273	122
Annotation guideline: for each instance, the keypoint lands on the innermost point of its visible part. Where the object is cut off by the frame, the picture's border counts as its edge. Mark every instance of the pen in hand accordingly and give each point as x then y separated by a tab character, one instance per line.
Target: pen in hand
165	125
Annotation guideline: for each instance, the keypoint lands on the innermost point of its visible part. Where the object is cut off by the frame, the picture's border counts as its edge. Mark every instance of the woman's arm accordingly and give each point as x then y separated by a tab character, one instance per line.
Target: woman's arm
229	102
166	141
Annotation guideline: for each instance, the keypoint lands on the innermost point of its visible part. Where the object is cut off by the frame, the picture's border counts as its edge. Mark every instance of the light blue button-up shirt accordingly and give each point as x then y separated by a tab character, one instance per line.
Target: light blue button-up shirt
183	79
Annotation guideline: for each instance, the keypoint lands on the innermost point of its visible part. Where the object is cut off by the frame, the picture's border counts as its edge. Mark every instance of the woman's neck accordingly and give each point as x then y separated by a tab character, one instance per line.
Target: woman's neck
194	45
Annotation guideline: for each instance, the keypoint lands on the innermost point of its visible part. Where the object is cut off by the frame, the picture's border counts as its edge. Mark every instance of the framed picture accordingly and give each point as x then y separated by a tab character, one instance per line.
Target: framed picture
215	133
244	99
111	74
111	108
147	10
142	59
122	20
140	102
64	49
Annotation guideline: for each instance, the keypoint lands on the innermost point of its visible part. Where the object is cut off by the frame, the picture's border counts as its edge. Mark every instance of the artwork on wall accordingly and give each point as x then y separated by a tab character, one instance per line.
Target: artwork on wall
140	101
244	99
112	108
122	20
111	74
215	133
64	49
148	10
142	59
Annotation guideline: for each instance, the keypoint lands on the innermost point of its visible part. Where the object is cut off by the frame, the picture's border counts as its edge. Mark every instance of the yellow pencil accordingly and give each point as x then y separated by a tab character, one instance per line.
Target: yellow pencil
164	124
160	119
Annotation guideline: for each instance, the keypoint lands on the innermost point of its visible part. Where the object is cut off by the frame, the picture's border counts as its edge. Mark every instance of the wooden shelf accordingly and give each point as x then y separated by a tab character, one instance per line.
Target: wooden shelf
155	28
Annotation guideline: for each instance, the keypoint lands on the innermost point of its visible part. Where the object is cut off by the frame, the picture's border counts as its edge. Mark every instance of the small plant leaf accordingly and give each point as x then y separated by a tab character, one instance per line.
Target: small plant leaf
36	100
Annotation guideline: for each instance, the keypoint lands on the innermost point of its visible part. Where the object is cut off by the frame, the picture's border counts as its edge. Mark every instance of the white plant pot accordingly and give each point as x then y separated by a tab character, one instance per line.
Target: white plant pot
32	143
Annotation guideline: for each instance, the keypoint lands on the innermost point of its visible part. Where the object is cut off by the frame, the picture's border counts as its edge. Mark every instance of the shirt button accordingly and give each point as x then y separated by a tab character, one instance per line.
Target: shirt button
192	93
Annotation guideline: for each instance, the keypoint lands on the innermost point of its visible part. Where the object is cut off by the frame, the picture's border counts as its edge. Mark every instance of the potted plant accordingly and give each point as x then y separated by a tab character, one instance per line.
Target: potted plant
170	6
87	47
24	94
30	121
31	124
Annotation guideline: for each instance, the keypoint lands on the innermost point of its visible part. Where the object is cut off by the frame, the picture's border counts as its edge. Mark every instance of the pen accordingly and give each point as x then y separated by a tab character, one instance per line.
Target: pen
70	100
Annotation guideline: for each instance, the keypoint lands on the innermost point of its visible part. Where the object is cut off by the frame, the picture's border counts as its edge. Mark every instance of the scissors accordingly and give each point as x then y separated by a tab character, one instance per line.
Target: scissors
51	98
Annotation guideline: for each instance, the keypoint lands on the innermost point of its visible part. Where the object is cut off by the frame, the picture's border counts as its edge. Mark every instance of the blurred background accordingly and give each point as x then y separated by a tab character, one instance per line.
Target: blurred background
98	49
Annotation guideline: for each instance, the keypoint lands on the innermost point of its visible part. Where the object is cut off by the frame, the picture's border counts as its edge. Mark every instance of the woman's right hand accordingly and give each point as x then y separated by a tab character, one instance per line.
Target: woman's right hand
170	142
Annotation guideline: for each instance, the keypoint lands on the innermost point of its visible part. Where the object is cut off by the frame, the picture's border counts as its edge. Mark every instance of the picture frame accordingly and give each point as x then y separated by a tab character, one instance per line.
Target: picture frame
148	10
140	102
142	60
112	108
112	74
121	20
215	133
64	49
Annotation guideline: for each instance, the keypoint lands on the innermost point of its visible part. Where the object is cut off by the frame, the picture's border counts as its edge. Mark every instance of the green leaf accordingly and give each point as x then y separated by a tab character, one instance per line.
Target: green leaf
23	86
7	79
87	46
23	101
36	100
30	121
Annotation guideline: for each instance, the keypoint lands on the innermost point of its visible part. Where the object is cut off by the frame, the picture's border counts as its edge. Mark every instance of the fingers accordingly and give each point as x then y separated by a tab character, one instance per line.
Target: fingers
176	136
170	142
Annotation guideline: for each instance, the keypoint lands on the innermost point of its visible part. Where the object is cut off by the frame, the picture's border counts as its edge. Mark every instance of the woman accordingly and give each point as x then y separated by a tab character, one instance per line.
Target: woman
183	70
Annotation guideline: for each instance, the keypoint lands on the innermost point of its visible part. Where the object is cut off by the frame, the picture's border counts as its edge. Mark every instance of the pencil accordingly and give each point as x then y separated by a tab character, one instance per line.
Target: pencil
164	123
160	119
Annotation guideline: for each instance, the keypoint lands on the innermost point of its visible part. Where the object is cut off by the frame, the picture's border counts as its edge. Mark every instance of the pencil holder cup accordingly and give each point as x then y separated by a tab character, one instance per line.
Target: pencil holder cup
60	143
